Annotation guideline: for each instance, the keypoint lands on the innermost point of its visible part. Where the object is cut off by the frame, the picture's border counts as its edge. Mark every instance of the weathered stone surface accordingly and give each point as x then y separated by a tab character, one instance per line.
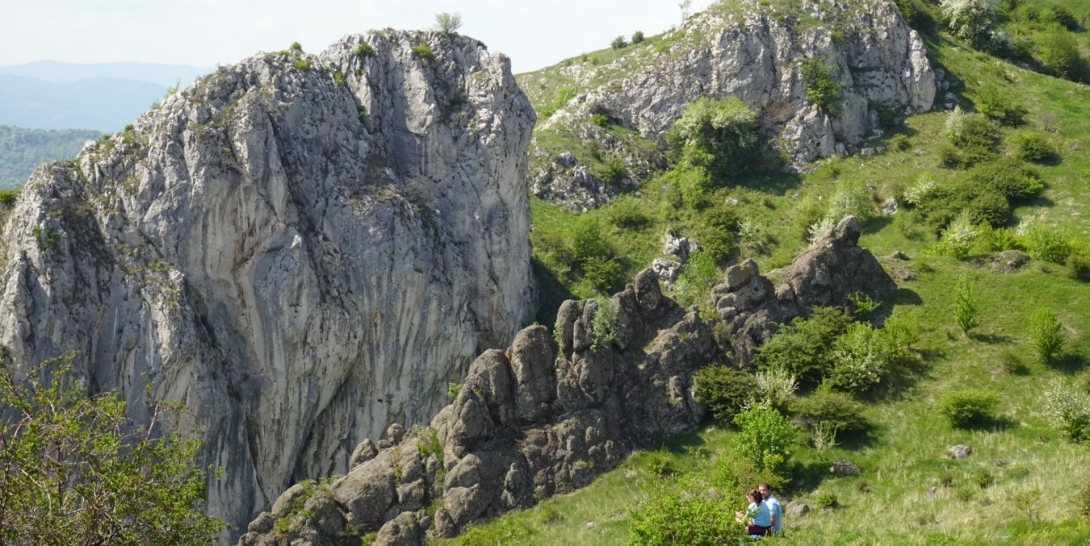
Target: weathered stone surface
297	261
959	451
666	270
404	530
364	452
796	509
843	467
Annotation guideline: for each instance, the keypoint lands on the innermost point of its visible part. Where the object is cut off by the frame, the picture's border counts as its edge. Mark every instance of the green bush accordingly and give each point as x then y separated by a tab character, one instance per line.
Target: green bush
830	408
851	198
1078	267
301	65
1046	336
697	280
720	136
969	407
822	89
424	51
966	313
364	50
1058	52
684	514
604	274
718	233
827	499
1068	410
971	20
618	43
1047	243
764	437
563	95
626	213
637	37
804	348
296	46
863	357
997	104
603	325
1033	146
1009	178
899	143
8	197
972	140
982	205
725	391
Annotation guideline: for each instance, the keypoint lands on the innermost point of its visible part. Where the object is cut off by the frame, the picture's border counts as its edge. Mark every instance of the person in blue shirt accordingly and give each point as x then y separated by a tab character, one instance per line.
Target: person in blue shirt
757	514
773	504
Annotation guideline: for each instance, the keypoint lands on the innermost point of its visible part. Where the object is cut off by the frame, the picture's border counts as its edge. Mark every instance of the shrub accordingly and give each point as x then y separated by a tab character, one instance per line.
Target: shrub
563	96
831	408
996	104
969	407
698	278
1046	336
301	65
1047	243
983	478
900	143
804	348
1078	267
718	233
618	43
684	514
448	23
923	188
966	314
851	198
604	274
774	387
724	390
1008	177
364	50
973	138
1033	146
452	390
74	470
863	357
764	437
626	213
1058	53
821	88
424	52
603	325
720	136
637	37
971	20
296	46
8	197
1068	410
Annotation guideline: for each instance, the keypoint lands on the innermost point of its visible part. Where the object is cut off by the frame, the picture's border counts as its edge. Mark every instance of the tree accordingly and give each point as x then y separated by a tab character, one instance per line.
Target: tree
965	312
1046	336
685	5
448	23
618	43
75	470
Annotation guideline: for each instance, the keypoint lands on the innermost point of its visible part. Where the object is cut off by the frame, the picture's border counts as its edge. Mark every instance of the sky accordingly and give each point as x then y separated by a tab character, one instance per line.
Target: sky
534	33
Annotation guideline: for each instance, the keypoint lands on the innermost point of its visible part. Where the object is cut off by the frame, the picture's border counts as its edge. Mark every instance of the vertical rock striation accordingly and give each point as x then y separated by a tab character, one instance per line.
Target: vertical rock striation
302	249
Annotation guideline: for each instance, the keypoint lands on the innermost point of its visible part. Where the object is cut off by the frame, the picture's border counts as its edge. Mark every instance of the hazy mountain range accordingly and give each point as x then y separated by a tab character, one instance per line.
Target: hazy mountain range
104	97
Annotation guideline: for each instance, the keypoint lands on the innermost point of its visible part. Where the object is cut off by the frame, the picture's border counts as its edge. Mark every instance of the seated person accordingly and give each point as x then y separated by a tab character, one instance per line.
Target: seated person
774	506
756	514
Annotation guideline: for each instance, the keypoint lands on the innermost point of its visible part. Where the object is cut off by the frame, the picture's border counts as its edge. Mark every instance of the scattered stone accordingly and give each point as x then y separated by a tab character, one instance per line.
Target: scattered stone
796	509
844	467
666	270
889	206
732	201
675	245
959	451
898	255
591	525
933	491
364	452
1009	261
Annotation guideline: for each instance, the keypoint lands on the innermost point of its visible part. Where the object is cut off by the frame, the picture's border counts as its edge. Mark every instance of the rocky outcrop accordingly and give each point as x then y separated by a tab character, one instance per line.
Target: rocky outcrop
547	416
754	52
301	249
832	268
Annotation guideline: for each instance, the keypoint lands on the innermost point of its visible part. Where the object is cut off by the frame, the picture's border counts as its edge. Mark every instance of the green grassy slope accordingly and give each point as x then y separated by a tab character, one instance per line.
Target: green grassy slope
909	492
21	150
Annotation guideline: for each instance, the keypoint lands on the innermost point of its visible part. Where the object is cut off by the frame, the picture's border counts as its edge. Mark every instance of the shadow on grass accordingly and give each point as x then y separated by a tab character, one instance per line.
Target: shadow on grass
991	339
683	444
995	424
774	183
876	224
1070	363
903	296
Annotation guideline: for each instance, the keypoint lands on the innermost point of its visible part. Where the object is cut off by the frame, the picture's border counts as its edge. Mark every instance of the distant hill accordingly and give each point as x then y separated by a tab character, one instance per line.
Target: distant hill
21	150
58	72
102	104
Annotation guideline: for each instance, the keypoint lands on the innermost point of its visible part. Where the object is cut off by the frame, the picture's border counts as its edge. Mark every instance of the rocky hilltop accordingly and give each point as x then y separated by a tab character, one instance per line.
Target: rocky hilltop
547	415
302	249
750	50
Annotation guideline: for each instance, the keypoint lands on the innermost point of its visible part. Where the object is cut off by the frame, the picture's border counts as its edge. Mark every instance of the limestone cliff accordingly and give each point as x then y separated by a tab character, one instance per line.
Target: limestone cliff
302	249
744	49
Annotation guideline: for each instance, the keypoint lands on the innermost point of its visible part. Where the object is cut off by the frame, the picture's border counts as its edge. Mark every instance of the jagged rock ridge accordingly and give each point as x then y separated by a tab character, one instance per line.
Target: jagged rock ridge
302	249
546	416
755	53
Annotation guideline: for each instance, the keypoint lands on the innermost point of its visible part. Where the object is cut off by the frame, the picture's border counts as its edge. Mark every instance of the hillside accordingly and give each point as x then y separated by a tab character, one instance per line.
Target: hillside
21	150
1026	480
101	104
164	75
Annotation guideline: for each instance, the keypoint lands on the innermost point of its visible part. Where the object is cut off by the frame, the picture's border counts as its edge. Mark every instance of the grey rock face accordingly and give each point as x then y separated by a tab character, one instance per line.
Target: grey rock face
959	451
756	57
300	261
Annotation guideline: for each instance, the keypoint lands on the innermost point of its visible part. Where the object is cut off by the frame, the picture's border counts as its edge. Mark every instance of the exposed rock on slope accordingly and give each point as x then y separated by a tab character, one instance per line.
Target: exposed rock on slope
545	417
754	53
302	249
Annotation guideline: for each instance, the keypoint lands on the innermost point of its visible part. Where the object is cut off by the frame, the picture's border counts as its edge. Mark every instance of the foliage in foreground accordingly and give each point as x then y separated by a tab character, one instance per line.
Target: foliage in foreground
75	470
692	513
